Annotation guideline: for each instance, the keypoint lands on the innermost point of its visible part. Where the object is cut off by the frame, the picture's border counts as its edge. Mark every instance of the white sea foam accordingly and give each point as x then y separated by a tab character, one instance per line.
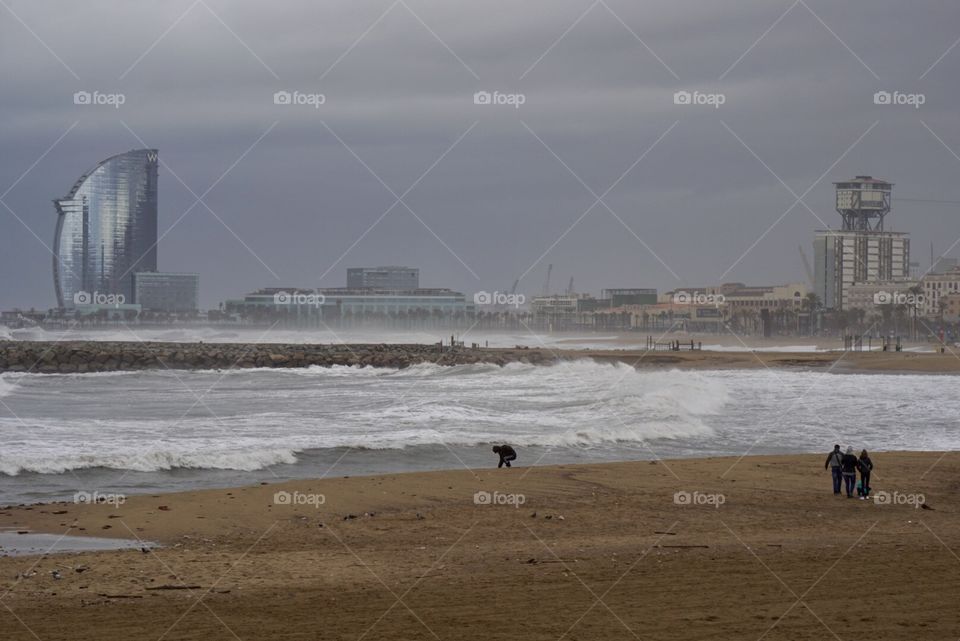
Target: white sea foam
252	419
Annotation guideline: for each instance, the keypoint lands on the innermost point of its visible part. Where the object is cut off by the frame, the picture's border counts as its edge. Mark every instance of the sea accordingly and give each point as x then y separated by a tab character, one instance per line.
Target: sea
64	436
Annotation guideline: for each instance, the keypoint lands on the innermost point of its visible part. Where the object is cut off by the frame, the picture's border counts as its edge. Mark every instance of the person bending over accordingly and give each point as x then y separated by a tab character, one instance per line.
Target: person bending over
506	453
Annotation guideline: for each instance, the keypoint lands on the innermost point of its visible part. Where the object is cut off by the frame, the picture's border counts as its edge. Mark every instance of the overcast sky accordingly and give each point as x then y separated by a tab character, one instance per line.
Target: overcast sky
293	194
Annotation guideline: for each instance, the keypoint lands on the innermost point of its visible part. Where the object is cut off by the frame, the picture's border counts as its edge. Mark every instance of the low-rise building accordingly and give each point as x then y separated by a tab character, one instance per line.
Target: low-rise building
936	287
166	292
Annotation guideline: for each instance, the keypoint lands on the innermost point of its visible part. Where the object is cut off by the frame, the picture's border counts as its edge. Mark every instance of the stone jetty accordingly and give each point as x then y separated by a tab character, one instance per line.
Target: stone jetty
93	356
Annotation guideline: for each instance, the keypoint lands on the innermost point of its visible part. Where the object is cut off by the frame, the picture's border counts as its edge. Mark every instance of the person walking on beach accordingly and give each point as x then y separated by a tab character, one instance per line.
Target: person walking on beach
506	453
835	463
849	464
866	466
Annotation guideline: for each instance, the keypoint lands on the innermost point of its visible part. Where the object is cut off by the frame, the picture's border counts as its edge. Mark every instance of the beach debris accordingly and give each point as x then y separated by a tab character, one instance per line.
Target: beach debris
146	550
926	507
106	527
55	574
560	518
420	517
59	512
548	517
120	596
533	516
164	508
80	569
665	533
349	517
26	575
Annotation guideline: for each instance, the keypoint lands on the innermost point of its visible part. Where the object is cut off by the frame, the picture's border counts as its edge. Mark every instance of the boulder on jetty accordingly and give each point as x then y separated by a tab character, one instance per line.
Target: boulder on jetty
80	357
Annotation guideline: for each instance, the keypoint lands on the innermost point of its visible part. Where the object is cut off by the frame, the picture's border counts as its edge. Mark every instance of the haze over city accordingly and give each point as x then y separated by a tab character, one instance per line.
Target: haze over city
555	320
295	193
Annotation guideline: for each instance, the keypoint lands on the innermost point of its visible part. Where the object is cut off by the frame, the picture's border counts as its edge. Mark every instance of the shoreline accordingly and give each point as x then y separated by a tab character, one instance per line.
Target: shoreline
41	521
669	568
92	356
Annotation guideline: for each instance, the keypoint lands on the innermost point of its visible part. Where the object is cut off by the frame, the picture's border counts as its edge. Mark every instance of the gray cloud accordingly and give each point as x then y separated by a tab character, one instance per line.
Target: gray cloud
499	199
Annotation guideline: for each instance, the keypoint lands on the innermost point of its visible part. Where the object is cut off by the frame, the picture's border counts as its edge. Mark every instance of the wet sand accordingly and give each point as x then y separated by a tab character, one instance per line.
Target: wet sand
749	549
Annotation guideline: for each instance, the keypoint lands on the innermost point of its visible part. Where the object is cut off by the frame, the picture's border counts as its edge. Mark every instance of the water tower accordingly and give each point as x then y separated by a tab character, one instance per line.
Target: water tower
863	202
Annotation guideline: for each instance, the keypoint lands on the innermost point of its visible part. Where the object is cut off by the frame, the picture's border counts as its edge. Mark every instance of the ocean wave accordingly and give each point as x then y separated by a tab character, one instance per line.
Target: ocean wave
266	417
158	460
6	387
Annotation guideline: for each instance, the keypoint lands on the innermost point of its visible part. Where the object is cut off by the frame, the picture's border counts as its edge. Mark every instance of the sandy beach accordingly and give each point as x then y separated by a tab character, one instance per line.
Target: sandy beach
750	548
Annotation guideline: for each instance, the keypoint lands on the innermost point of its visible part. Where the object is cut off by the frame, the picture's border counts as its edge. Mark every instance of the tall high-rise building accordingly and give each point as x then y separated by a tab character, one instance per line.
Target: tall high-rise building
107	229
861	252
392	277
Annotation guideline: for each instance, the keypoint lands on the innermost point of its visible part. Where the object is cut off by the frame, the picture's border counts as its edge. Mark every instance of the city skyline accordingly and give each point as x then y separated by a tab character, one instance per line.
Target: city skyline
265	183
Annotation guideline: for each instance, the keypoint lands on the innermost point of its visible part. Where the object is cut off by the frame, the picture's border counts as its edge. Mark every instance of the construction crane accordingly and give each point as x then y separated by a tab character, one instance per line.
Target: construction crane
546	285
570	286
806	266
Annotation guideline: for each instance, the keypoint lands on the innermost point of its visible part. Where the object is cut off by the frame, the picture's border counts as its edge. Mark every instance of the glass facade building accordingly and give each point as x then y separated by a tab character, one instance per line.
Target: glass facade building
166	292
107	230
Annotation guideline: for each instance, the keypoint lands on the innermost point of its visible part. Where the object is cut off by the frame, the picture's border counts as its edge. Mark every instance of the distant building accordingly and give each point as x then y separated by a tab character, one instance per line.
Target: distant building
874	296
391	277
311	306
951	307
937	287
166	292
106	230
629	296
861	251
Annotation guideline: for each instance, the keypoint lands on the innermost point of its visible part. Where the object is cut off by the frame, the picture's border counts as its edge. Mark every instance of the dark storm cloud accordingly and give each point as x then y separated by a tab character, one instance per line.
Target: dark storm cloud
399	77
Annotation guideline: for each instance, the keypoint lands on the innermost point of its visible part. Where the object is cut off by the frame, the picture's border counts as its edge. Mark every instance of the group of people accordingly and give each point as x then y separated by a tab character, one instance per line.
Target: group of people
844	468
